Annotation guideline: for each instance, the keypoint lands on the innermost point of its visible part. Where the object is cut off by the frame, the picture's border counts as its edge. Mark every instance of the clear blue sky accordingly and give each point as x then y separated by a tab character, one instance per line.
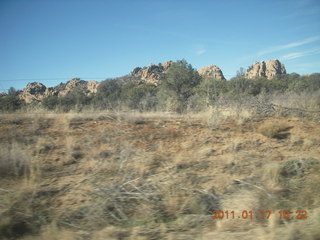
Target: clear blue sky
95	39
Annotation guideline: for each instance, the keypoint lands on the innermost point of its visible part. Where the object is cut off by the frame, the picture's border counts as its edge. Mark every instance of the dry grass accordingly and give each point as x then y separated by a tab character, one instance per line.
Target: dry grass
303	100
13	161
274	129
155	175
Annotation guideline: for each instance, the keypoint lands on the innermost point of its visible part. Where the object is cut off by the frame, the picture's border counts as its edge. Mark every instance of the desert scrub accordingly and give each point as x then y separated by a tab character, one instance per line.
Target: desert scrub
13	161
274	129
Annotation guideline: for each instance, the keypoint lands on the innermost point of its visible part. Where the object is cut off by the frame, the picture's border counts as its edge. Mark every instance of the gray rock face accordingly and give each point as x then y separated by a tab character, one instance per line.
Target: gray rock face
268	69
151	74
212	71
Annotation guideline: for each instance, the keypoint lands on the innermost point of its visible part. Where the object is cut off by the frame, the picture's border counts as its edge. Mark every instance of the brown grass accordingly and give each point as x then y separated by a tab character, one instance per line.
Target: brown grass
153	176
274	129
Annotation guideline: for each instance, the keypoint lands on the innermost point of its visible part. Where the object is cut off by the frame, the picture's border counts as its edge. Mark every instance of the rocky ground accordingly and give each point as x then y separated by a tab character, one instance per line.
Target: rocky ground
157	176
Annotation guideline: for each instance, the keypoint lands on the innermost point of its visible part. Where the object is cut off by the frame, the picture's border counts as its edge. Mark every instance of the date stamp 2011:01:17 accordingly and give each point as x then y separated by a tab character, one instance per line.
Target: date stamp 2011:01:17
265	214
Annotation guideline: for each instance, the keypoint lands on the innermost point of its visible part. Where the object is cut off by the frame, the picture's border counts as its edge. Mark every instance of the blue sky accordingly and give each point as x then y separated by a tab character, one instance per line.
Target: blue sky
53	41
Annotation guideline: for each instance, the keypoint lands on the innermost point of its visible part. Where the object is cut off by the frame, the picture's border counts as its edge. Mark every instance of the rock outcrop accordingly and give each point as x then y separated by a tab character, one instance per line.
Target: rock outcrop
37	91
71	85
151	74
212	71
34	91
92	86
268	69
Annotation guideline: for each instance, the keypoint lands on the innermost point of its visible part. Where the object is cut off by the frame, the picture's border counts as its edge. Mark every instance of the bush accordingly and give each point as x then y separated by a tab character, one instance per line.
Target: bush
180	82
274	129
108	94
73	100
13	162
10	103
141	97
209	90
50	102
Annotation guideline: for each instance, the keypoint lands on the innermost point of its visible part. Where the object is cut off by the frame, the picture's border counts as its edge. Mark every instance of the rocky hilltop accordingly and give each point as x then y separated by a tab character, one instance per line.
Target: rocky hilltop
36	91
152	74
212	71
268	69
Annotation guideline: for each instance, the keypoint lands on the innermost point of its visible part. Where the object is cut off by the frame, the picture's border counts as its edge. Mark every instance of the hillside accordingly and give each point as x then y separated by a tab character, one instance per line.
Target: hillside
156	176
165	152
166	87
153	74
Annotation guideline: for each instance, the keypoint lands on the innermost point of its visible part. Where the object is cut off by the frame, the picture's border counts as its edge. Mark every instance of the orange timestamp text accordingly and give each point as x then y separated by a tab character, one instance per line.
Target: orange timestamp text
265	214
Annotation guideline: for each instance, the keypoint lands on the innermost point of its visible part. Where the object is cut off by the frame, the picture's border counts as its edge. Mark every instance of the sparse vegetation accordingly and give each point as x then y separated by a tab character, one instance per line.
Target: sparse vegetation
181	90
145	176
10	103
90	168
274	129
13	161
179	84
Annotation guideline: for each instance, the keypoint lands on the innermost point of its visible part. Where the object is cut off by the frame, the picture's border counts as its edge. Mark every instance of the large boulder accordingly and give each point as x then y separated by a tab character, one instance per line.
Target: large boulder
34	91
92	86
85	87
212	71
268	69
151	74
71	85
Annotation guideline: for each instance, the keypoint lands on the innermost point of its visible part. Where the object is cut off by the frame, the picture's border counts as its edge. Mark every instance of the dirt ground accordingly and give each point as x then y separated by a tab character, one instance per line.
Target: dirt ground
139	176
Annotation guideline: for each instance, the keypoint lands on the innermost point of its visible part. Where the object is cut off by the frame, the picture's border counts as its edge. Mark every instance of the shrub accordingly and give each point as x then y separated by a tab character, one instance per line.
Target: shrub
274	129
10	103
180	82
141	97
13	162
75	99
108	94
50	102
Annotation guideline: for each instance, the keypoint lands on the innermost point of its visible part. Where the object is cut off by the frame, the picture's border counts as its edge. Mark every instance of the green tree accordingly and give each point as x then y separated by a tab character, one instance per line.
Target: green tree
210	89
50	102
108	94
179	83
12	91
76	100
141	97
10	103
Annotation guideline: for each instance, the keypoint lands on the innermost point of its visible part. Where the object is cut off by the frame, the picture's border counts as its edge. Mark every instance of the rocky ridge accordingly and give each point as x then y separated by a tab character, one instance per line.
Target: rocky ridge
36	91
268	69
152	74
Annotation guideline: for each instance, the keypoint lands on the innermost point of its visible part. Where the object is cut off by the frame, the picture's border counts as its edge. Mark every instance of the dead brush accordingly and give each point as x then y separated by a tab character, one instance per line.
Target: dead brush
274	129
13	161
121	200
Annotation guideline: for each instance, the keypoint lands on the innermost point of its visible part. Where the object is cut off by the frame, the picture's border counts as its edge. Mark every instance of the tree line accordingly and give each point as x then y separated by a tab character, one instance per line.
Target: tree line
182	89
